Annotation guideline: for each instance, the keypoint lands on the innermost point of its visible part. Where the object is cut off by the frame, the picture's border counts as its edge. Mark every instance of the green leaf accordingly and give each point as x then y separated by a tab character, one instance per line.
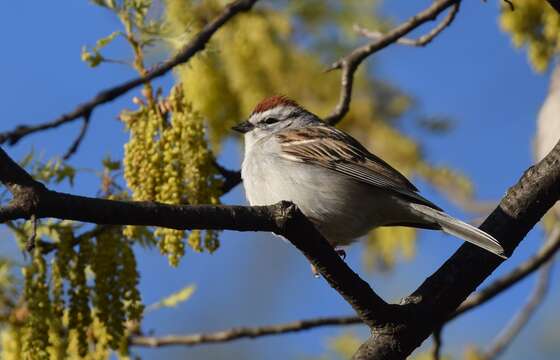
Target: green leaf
65	172
27	159
93	58
111	165
101	43
54	170
174	299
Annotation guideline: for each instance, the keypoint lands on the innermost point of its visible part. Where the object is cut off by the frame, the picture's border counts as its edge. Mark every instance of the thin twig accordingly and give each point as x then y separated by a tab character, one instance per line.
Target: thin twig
253	332
549	249
241	333
197	44
48	247
422	40
436	348
349	63
512	329
76	144
510	4
232	177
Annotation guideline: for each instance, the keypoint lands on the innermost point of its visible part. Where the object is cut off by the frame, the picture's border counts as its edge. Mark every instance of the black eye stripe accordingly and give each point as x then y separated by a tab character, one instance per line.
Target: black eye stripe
270	120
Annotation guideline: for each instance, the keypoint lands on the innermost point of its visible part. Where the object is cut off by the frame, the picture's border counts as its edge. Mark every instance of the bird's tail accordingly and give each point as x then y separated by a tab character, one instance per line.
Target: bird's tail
460	229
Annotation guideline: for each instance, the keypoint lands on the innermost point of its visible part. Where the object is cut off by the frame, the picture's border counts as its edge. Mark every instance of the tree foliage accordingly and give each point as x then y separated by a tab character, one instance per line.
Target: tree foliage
534	24
170	153
78	295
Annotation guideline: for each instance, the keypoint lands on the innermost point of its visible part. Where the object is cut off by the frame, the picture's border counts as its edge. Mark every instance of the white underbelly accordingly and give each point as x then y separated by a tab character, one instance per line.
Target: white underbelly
343	209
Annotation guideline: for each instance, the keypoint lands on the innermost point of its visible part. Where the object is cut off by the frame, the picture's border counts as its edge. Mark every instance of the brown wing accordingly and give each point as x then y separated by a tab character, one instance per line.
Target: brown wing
345	155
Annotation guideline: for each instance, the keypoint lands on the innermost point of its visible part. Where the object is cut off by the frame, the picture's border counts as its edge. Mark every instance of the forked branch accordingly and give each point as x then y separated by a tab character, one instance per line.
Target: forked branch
436	299
538	261
350	63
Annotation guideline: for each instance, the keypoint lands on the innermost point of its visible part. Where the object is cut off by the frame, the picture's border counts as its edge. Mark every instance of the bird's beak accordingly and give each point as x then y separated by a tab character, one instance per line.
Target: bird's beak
243	127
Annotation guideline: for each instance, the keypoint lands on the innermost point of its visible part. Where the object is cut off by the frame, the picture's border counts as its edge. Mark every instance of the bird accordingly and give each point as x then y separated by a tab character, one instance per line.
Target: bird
341	187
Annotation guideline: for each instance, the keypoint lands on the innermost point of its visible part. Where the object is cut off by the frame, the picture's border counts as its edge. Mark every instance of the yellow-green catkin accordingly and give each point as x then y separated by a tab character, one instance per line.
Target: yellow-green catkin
100	348
117	301
534	24
167	160
109	307
60	272
12	343
36	339
241	66
84	306
128	281
79	310
58	342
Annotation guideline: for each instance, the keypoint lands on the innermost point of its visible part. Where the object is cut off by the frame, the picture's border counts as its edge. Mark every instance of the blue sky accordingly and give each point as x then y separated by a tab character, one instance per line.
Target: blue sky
470	73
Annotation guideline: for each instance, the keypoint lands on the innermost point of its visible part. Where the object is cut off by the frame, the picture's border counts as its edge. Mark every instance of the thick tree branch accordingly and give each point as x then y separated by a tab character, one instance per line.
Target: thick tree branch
438	297
397	330
506	336
283	219
197	44
25	190
349	63
543	256
241	333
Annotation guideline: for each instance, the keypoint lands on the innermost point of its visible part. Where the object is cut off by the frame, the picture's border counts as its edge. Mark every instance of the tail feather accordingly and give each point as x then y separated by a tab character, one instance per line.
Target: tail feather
460	229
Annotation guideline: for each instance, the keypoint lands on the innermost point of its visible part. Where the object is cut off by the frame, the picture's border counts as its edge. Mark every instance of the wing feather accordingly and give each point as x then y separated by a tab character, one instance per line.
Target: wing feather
347	156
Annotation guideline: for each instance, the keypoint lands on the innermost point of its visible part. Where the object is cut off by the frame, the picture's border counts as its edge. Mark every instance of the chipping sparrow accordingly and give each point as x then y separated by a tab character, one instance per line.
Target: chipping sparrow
290	154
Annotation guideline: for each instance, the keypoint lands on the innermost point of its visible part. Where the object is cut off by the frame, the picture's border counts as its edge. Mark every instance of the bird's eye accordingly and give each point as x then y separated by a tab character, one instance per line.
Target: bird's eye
270	120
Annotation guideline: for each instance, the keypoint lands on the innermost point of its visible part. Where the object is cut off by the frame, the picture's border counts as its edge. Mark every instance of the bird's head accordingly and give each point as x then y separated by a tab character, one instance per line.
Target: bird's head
274	114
